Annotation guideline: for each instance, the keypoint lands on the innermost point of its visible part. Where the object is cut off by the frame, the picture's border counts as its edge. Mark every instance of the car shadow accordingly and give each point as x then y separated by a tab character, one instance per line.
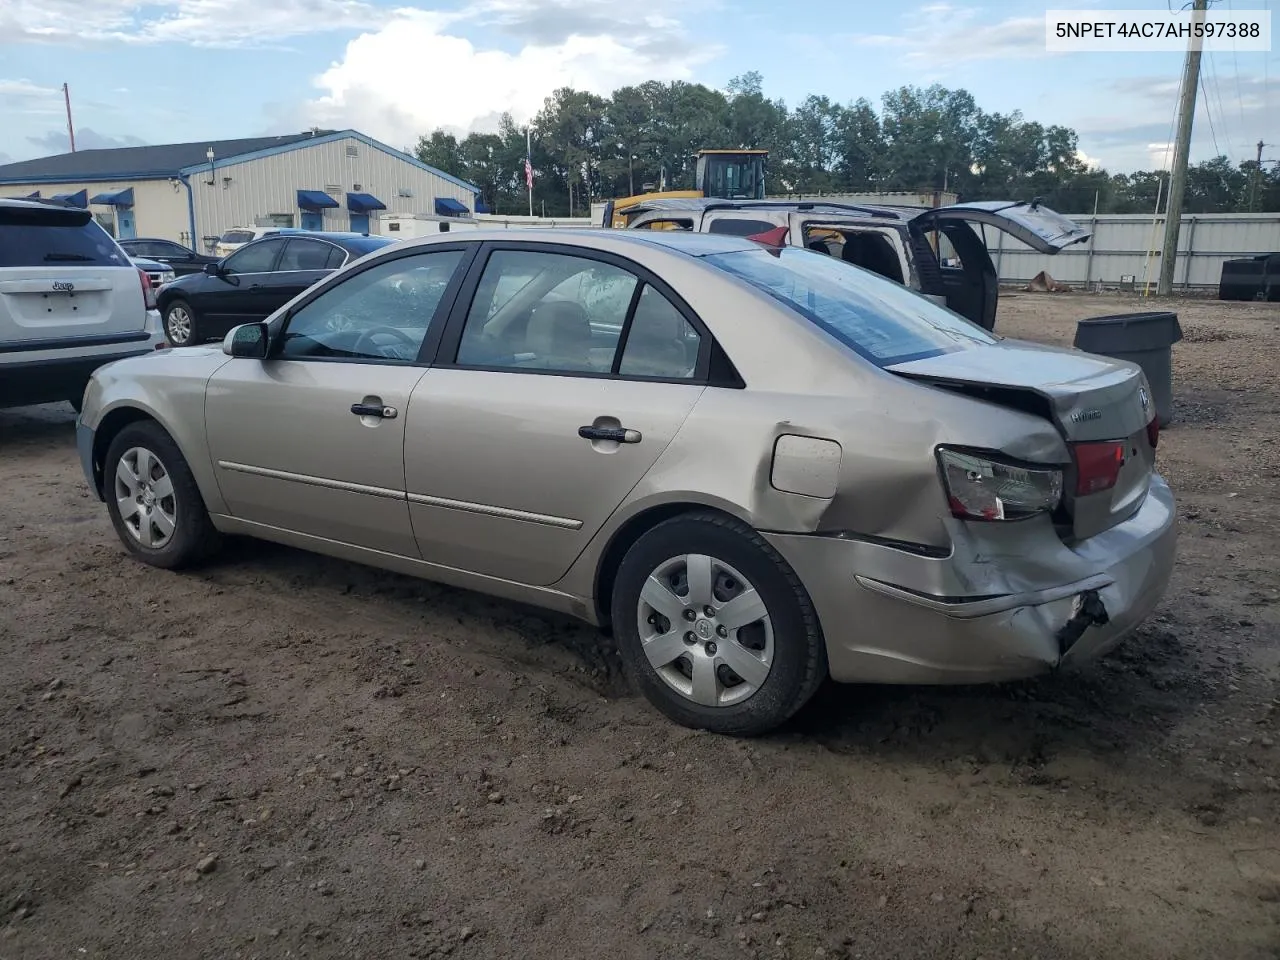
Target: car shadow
543	640
1123	705
45	423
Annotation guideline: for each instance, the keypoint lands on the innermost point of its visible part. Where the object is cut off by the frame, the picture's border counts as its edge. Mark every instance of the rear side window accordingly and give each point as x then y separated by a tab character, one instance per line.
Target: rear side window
37	237
737	227
880	320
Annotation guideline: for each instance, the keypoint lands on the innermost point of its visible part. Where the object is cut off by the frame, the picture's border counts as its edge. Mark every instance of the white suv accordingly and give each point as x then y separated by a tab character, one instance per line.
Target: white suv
235	238
70	301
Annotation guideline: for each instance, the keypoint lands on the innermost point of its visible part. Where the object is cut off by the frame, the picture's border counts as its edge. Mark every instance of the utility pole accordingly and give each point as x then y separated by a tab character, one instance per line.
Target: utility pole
1257	175
71	131
1181	146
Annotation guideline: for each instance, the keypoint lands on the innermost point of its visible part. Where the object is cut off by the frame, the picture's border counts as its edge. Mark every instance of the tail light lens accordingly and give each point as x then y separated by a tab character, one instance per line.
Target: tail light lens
1097	466
148	291
982	488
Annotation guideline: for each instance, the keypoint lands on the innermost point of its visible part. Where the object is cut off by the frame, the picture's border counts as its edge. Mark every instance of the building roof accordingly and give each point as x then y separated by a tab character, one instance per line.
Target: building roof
165	159
176	159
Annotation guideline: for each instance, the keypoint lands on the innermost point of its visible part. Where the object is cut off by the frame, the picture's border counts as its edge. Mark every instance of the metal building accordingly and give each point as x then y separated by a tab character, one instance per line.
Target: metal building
193	192
1125	248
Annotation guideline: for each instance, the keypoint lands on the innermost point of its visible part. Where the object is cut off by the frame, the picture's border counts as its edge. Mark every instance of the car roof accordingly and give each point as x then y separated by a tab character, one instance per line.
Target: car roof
833	208
678	241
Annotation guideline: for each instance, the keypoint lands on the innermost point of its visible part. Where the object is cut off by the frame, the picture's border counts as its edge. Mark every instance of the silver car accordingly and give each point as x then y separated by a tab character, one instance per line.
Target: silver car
758	466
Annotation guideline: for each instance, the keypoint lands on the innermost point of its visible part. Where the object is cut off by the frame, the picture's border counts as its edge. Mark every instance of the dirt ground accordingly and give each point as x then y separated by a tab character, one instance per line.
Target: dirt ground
287	756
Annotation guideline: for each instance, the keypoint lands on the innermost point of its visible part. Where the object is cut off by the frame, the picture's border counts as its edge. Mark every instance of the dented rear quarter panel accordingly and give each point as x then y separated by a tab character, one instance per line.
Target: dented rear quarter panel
801	381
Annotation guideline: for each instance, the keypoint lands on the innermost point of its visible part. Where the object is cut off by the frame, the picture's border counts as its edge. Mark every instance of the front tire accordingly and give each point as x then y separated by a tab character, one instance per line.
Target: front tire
181	328
152	498
715	627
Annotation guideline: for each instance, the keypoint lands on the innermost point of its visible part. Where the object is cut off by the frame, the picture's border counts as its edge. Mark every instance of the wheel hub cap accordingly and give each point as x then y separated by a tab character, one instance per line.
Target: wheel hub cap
705	630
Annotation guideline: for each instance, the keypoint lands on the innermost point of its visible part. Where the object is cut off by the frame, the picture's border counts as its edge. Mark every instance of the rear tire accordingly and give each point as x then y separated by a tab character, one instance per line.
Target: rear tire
153	499
181	327
757	654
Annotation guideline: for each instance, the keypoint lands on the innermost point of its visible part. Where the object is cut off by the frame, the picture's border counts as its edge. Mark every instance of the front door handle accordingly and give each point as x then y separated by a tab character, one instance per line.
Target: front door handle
616	434
374	410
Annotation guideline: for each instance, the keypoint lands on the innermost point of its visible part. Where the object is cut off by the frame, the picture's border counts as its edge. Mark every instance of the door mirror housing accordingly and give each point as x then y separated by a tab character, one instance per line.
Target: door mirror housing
213	269
249	341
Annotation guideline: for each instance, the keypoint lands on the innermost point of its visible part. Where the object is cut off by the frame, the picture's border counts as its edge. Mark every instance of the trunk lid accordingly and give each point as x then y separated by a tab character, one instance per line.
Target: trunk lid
1090	399
1035	225
62	276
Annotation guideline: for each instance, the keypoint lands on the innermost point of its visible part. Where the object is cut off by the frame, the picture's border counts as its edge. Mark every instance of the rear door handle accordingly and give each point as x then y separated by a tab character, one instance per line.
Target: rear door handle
617	434
374	410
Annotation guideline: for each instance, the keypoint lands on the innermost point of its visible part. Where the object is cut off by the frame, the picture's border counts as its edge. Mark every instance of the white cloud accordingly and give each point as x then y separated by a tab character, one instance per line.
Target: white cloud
1088	161
24	97
412	76
941	33
216	23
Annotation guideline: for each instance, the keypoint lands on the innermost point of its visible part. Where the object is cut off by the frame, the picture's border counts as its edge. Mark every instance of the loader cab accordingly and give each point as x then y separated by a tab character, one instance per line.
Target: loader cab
731	174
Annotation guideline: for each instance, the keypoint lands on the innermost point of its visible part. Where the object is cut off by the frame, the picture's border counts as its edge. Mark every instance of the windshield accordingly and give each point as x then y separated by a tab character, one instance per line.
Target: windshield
237	236
880	320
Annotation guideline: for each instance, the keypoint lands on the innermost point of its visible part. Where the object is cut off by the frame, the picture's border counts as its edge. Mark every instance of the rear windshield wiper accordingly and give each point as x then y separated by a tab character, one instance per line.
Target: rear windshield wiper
69	257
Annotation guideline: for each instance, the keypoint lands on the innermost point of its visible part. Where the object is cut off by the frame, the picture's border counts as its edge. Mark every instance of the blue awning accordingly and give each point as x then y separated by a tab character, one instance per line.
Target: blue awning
449	207
78	199
315	200
364	202
482	207
121	198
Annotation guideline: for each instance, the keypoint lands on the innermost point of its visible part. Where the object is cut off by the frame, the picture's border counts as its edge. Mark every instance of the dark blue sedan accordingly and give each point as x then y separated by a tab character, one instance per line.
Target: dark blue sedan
253	282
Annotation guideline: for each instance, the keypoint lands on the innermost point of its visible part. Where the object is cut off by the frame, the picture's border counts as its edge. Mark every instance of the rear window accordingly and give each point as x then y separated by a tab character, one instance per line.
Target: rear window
39	237
880	320
237	236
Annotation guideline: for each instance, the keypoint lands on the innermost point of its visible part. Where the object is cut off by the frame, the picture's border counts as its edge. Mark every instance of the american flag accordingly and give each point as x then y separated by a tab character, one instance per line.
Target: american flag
528	173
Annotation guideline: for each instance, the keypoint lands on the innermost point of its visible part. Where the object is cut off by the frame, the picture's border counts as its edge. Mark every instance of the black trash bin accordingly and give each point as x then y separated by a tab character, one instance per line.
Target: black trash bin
1142	338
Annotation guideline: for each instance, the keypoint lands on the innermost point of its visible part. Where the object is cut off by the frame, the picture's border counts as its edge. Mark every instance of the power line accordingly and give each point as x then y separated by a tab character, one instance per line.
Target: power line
1235	57
1208	115
1222	110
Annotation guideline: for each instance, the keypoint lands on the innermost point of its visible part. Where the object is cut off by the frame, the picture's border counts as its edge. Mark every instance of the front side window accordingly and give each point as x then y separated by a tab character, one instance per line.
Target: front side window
547	311
880	320
254	257
379	314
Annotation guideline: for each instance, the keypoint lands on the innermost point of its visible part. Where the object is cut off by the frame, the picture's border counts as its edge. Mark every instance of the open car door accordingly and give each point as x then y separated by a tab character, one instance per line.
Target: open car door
1035	225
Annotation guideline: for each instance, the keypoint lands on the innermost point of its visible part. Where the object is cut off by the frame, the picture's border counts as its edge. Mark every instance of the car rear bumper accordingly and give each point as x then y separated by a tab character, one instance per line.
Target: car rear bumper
60	371
991	610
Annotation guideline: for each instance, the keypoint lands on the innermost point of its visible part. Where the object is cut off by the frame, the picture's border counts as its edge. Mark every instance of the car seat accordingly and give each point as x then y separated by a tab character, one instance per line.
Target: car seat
559	335
656	343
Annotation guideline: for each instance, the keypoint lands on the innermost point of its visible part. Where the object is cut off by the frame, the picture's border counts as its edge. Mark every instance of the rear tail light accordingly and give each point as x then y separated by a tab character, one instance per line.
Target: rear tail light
1097	466
982	488
148	291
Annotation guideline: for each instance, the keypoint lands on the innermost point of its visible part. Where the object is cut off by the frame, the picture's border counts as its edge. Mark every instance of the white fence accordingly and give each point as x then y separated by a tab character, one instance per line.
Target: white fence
1129	244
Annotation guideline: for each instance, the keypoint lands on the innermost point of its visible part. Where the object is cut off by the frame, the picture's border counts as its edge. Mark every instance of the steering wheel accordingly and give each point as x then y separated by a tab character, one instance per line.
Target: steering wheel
374	331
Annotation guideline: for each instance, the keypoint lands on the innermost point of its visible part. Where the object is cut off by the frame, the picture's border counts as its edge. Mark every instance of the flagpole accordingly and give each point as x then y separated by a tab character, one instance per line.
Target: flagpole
528	162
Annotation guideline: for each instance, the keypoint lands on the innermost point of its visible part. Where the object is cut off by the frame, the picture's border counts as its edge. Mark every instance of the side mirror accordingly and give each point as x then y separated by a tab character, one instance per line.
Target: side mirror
213	269
249	340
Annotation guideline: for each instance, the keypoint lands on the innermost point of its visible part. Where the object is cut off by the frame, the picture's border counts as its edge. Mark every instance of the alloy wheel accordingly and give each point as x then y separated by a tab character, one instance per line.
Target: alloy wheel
178	322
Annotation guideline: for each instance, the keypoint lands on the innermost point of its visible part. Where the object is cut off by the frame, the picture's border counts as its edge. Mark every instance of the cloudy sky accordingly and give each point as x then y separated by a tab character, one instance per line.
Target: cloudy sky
164	71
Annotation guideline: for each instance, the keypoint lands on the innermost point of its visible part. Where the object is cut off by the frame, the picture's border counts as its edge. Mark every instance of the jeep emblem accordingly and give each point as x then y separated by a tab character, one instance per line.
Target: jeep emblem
63	285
